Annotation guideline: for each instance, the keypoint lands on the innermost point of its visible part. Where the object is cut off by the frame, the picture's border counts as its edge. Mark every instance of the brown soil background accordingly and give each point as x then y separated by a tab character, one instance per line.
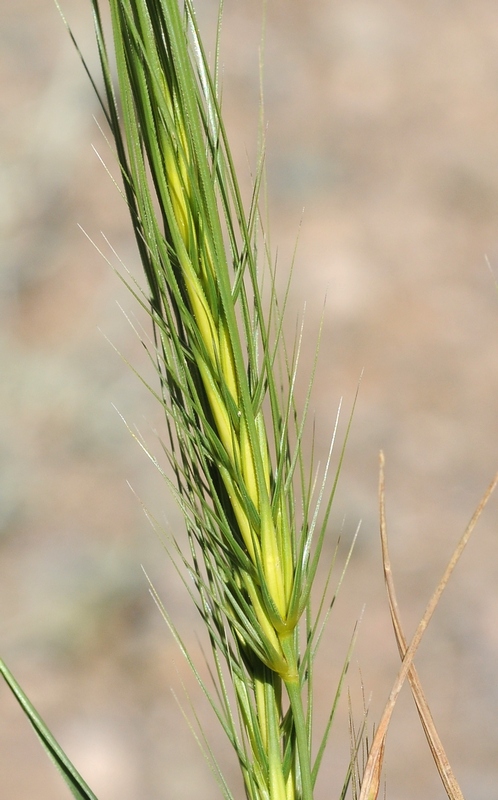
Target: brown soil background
383	125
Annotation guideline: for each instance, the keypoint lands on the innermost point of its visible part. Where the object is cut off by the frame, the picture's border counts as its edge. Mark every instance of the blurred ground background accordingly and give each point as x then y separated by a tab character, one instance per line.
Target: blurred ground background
383	125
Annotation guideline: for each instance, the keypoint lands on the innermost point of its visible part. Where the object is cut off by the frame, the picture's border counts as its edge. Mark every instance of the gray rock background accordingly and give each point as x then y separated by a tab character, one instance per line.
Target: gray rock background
382	123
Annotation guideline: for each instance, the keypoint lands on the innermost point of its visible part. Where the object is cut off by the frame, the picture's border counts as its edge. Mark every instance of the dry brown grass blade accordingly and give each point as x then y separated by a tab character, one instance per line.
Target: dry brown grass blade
443	765
371	778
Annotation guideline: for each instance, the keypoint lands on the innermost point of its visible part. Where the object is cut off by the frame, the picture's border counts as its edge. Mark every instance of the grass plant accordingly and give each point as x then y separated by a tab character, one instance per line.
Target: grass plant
256	516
